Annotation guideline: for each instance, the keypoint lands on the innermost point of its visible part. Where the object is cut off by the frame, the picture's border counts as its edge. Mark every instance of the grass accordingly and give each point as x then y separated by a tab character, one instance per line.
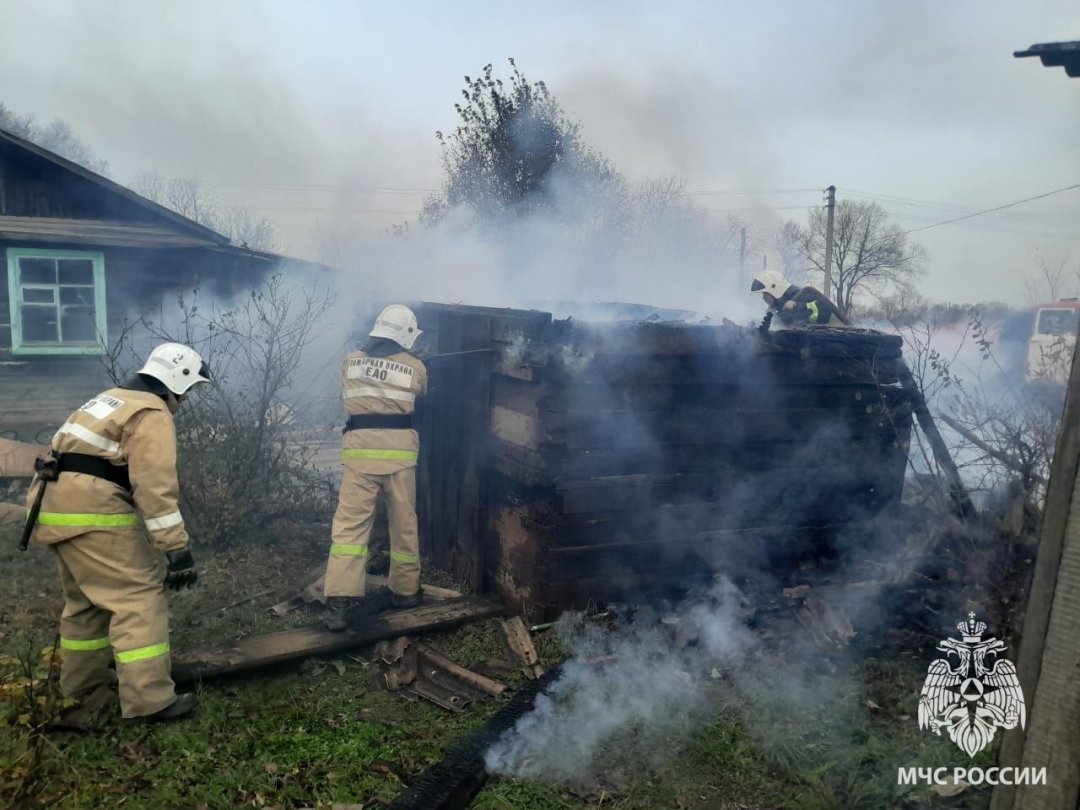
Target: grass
324	732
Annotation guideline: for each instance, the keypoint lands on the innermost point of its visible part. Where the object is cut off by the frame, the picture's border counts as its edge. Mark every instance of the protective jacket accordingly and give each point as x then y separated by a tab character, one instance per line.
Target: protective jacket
806	305
126	428
379	451
377	387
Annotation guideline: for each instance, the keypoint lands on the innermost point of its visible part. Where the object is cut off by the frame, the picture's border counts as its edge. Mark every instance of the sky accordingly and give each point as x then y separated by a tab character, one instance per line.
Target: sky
322	115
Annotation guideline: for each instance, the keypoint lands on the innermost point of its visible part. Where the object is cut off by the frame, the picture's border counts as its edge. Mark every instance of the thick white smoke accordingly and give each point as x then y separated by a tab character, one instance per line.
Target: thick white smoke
643	677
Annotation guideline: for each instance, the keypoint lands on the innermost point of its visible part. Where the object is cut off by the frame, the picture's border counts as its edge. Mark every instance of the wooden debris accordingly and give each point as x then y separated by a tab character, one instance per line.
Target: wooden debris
256	652
519	644
431	658
420	671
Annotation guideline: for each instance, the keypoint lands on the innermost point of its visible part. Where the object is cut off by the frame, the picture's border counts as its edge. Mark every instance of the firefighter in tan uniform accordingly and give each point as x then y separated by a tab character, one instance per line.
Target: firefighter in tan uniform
379	386
109	481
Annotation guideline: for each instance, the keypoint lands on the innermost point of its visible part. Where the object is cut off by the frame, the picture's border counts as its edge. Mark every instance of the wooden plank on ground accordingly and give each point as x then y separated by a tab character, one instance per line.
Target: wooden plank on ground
17	458
12	513
291	645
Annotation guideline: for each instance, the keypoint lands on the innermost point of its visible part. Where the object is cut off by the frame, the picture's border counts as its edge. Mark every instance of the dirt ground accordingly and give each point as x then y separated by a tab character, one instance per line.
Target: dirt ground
325	733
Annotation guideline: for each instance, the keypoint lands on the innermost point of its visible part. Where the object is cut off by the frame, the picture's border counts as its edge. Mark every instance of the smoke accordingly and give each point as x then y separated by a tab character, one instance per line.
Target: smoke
626	689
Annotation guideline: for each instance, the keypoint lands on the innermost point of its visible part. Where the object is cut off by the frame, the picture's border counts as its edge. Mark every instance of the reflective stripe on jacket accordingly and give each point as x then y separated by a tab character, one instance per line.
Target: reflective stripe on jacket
122	426
381	385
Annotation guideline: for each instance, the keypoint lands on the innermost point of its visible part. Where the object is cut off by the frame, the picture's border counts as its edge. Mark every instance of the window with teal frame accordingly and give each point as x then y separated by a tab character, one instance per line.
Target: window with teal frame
57	300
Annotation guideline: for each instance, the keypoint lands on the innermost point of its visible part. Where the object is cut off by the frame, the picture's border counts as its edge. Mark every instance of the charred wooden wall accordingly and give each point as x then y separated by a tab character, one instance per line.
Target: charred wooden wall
595	462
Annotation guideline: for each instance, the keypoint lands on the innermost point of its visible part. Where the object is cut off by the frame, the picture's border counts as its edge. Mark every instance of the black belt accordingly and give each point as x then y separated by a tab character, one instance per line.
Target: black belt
96	466
377	421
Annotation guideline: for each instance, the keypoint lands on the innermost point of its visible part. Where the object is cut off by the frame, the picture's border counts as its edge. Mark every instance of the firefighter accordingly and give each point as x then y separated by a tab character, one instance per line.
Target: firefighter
795	305
380	385
108	482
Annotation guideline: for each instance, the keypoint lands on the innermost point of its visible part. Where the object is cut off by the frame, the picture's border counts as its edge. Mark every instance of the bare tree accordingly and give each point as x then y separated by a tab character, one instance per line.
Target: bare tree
57	137
1050	281
787	244
187	197
246	461
870	254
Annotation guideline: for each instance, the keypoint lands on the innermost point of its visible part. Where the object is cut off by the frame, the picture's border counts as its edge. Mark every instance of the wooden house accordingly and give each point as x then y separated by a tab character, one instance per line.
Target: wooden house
79	254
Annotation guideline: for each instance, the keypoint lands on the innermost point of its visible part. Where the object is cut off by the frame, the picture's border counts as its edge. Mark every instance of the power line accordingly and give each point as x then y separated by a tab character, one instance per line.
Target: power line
327	187
763	208
892	199
713	193
330	187
997	208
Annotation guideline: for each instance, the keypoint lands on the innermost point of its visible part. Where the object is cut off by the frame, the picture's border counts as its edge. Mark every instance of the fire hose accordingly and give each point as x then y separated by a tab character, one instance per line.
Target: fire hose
453	783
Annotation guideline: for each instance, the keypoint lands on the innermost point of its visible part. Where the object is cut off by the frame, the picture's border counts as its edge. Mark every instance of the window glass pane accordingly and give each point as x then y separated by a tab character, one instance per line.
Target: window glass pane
1057	322
39	295
76	271
83	296
37	271
39	325
77	324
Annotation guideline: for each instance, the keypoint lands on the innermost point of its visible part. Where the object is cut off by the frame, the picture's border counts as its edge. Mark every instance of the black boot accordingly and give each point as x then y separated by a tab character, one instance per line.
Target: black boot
184	706
337	613
402	602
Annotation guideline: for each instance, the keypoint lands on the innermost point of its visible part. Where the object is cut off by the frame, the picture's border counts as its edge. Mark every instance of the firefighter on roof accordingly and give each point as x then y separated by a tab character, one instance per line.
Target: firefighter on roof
108	482
796	306
380	385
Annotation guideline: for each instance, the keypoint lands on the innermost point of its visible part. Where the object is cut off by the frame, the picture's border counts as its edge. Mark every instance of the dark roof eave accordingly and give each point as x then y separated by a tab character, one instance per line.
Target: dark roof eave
160	210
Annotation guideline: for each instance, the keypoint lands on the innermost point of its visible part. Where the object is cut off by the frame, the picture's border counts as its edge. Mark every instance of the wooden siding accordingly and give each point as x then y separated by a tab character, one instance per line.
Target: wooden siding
33	187
618	459
36	397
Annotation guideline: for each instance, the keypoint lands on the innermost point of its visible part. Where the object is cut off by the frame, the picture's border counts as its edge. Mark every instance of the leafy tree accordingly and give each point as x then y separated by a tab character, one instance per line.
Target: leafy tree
870	254
512	144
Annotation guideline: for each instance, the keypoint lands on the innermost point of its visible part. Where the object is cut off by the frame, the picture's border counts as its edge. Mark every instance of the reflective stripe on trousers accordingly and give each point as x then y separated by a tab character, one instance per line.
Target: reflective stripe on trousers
84	645
348	550
142	653
126	657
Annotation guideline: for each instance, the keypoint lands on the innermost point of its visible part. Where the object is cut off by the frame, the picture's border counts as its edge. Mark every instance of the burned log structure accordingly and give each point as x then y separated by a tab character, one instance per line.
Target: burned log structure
594	462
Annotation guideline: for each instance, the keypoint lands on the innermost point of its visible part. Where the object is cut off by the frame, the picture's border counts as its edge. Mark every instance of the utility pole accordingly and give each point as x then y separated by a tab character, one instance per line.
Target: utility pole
742	252
830	204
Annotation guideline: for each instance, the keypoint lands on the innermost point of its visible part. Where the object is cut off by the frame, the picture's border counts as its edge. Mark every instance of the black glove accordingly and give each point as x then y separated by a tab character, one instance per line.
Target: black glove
181	571
766	322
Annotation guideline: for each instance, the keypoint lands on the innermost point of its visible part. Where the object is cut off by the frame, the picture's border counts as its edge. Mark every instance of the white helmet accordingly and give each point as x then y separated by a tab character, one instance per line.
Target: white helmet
176	366
770	282
397	323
